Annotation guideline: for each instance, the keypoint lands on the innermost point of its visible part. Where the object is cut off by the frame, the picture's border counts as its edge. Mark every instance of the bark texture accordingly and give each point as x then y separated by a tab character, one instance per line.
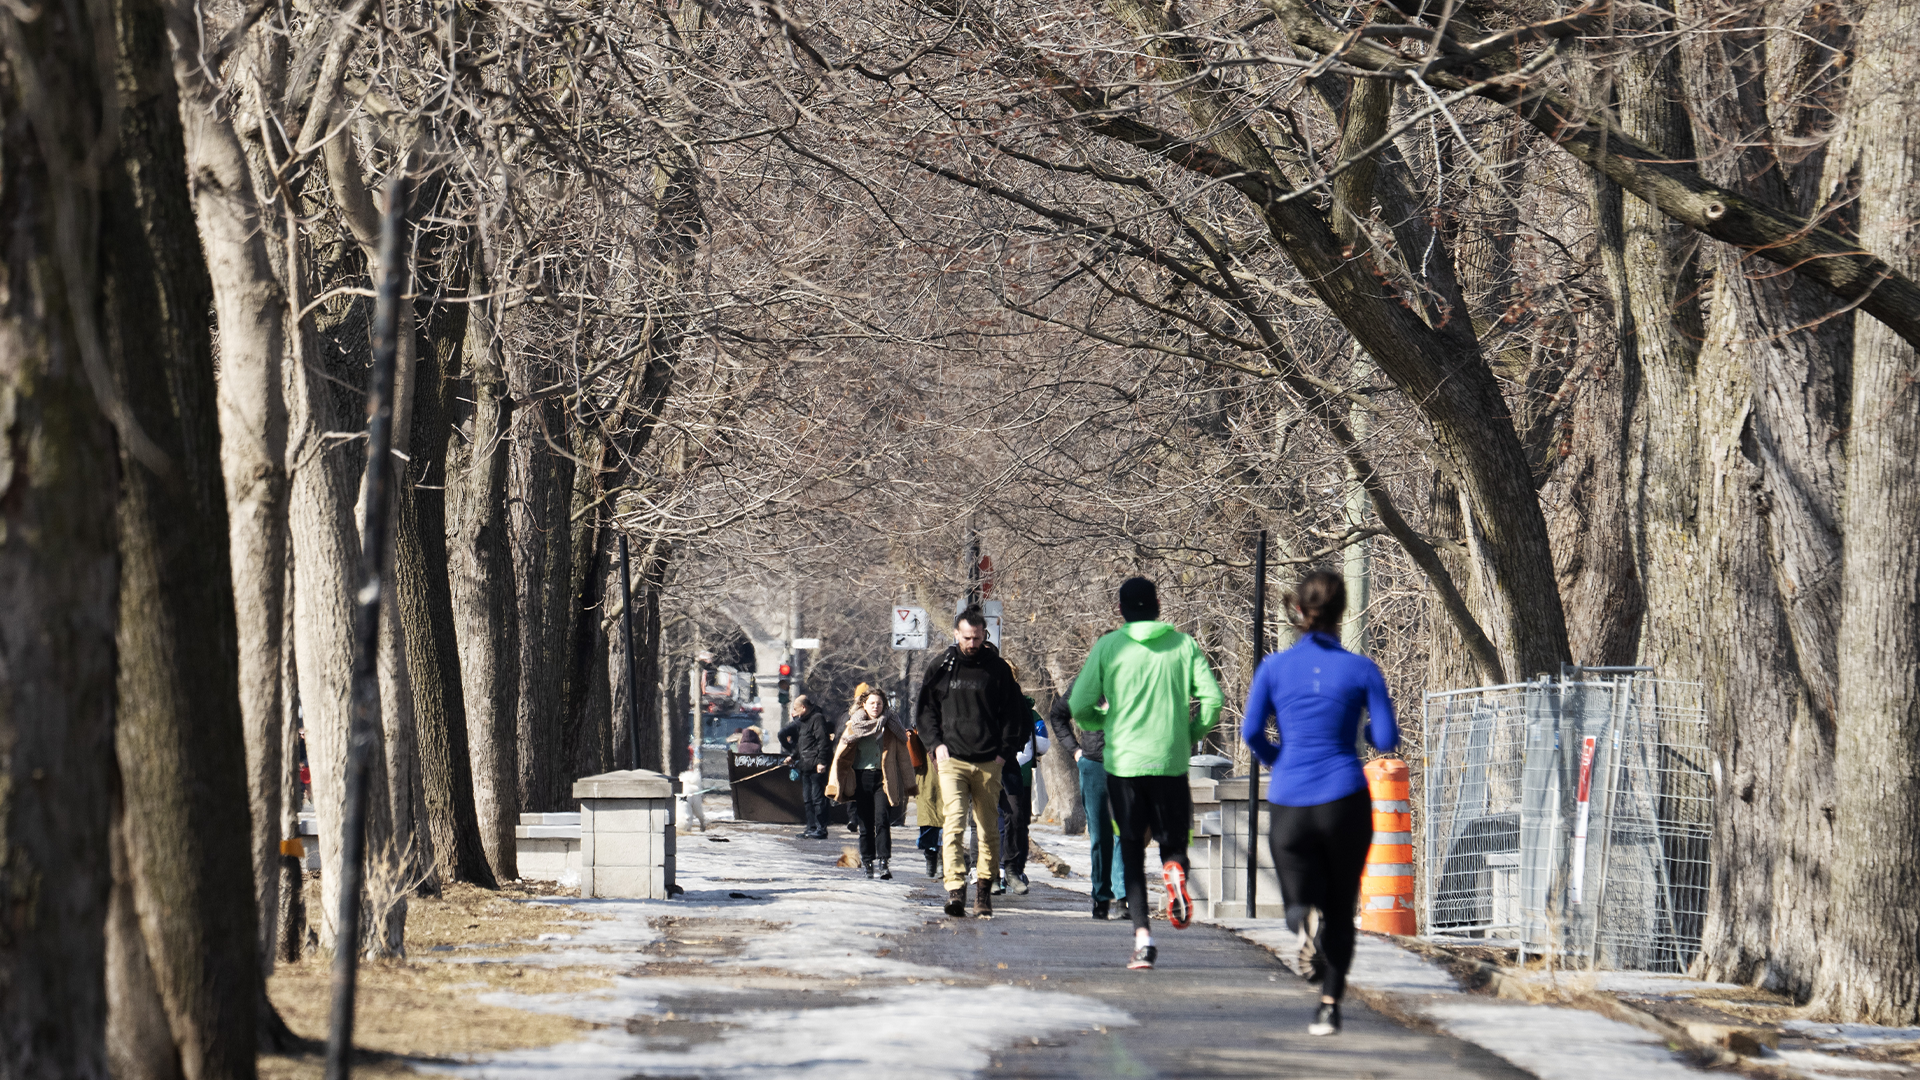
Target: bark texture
481	582
424	598
250	310
59	574
180	740
542	557
1871	969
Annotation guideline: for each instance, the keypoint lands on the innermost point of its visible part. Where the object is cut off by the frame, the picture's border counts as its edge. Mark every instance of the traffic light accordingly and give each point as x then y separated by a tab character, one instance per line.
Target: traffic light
786	682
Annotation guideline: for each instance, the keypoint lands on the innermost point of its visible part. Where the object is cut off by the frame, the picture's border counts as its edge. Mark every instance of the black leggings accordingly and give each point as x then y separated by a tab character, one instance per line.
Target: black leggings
873	815
1319	853
1160	805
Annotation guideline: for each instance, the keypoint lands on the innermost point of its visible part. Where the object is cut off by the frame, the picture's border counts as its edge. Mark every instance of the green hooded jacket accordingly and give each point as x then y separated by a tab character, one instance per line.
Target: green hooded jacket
1146	673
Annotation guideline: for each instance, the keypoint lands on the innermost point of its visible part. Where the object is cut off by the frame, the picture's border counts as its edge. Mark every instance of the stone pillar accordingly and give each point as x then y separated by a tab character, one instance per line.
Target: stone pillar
626	835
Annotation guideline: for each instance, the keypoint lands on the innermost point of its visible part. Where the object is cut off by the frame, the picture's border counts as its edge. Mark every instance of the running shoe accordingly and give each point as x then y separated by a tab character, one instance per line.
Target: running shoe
1000	885
957	903
1143	957
1179	902
1121	911
1326	1021
1308	962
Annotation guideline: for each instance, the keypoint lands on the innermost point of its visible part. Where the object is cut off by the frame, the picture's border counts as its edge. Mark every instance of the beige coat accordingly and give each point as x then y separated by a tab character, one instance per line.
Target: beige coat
896	769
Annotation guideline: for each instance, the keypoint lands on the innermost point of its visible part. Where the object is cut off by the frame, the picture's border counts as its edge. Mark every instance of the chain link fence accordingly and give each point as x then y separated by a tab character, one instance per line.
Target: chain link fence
1570	817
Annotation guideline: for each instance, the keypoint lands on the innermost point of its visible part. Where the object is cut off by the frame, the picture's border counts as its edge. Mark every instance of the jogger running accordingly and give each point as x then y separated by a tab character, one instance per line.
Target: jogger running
1322	820
1148	674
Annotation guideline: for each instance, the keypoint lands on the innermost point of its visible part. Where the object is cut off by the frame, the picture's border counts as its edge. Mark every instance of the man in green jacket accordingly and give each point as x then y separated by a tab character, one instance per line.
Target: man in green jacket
1138	686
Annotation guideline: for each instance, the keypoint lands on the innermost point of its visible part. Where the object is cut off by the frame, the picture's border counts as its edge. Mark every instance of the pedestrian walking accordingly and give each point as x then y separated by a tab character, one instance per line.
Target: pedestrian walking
1148	675
1016	804
1109	882
974	718
1322	816
926	802
813	749
870	769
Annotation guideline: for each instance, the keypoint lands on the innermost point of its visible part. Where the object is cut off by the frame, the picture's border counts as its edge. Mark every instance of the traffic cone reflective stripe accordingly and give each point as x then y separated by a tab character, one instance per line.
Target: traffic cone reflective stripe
1386	887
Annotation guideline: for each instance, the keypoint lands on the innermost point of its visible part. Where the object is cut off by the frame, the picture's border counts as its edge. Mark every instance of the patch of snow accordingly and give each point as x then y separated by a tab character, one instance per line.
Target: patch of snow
821	922
1853	1034
1815	1065
1556	1043
929	1030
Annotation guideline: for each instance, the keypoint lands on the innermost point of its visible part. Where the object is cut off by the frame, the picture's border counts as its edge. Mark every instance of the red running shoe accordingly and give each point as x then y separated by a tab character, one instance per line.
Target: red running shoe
1179	902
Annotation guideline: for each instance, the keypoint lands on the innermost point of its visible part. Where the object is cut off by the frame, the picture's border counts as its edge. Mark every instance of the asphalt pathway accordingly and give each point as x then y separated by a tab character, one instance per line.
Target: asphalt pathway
1213	1006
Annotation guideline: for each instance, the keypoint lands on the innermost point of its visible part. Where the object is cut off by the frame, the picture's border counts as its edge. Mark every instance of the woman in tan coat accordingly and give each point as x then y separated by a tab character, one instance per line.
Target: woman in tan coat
871	770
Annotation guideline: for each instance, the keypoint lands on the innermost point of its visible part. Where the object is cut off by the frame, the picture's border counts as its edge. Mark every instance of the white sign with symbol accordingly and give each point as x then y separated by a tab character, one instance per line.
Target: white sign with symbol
806	643
909	628
991	609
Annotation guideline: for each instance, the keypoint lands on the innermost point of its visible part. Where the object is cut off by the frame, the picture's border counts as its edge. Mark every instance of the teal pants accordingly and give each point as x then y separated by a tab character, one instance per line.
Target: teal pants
1107	873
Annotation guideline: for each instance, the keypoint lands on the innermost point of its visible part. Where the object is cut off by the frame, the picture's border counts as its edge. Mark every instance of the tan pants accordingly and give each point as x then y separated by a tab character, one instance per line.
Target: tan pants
964	784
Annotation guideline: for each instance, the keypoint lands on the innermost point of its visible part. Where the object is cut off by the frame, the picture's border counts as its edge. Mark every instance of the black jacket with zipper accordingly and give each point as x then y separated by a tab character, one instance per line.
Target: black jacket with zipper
813	748
1067	737
973	706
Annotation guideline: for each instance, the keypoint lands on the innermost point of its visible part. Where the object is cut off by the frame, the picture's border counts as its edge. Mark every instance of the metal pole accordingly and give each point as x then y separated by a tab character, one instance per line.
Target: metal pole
364	721
626	644
973	568
1253	761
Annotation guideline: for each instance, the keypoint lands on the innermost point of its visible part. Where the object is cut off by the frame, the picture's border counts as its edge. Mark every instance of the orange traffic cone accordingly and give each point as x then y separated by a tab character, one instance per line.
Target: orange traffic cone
1386	888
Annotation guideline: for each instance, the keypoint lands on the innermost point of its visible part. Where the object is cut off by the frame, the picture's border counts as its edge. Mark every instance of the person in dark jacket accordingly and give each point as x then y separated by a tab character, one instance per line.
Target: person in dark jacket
813	749
974	718
1086	747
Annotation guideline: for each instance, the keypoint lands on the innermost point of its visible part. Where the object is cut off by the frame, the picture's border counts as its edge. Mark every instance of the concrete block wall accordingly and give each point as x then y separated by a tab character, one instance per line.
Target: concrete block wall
547	847
1225	880
627	836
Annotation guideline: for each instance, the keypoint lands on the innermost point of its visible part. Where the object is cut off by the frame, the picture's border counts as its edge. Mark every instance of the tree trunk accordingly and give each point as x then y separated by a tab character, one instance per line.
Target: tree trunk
481	585
648	586
1871	970
1062	772
324	479
139	1040
249	309
540	496
180	739
426	602
59	577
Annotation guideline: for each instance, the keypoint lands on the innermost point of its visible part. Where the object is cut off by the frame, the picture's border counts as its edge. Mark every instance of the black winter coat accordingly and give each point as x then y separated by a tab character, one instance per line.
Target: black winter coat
813	747
973	705
1067	738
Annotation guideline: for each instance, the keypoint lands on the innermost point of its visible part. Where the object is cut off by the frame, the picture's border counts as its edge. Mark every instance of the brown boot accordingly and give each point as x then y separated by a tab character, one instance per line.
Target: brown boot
957	902
983	899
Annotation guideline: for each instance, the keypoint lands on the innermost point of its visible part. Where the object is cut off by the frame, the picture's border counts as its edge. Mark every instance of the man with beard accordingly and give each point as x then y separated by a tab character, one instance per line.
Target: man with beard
974	720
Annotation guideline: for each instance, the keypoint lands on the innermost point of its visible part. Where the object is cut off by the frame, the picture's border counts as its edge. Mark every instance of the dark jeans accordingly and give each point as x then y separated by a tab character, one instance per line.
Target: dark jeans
813	795
1158	805
1016	814
1319	853
873	815
1107	874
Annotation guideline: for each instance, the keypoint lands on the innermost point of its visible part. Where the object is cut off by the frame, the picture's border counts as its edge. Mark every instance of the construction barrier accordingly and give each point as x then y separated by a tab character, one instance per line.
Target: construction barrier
1386	888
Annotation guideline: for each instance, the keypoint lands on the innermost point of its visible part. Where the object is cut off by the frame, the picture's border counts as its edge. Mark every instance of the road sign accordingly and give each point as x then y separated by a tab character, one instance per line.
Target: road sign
909	628
991	609
806	643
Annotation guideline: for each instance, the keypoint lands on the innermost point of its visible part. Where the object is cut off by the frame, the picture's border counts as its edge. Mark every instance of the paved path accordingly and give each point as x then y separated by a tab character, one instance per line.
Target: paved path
1214	1006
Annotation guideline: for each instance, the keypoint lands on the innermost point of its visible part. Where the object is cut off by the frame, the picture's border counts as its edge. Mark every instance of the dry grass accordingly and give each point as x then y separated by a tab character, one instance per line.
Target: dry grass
415	1010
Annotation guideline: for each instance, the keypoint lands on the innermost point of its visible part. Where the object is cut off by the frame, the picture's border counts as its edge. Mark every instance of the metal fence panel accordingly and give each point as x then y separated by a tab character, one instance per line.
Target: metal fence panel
1569	816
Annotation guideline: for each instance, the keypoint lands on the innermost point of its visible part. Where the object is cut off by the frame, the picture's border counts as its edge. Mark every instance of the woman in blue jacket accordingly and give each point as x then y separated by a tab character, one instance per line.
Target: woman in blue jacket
1322	816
